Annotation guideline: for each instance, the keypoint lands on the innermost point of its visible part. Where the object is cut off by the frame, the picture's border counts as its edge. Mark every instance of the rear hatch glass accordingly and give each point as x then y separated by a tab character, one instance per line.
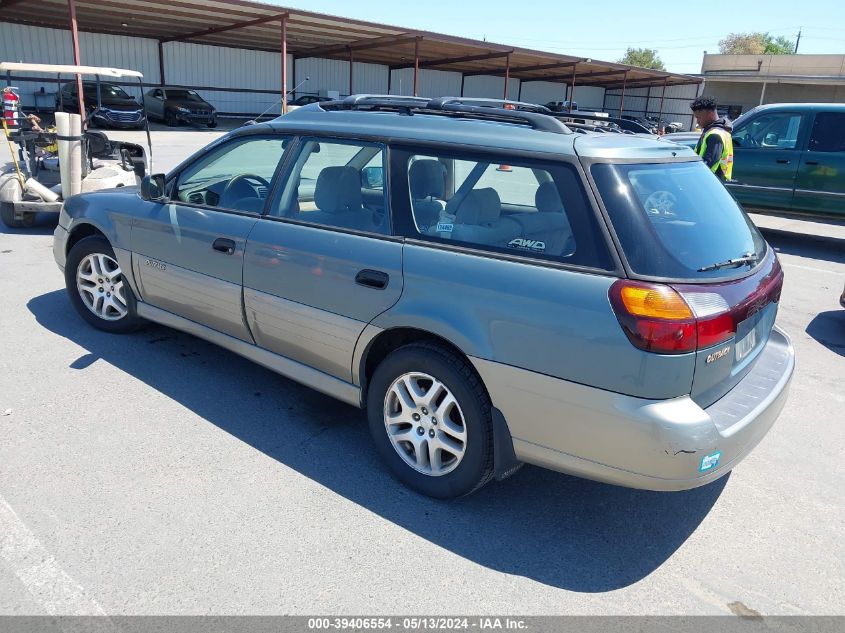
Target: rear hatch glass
676	221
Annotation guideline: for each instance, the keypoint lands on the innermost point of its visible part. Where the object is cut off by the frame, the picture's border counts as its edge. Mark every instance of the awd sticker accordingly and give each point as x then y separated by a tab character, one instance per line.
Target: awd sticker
709	462
533	245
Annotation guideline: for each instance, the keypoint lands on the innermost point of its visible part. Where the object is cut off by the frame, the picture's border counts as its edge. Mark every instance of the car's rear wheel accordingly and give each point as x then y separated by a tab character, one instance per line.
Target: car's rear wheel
430	418
170	119
97	287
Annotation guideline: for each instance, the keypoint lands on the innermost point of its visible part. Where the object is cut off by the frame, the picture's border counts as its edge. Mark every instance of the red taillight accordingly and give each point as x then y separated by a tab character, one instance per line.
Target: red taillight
654	317
714	331
685	318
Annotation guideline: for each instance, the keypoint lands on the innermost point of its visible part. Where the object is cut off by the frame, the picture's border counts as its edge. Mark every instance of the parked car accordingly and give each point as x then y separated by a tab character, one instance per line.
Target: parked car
179	105
106	106
375	250
788	157
791	157
305	100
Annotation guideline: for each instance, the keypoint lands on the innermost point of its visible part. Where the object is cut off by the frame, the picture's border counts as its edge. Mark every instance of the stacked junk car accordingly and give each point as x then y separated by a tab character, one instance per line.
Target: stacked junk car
50	165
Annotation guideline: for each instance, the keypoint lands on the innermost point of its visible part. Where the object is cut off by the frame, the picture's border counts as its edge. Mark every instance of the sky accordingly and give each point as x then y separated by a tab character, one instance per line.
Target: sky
603	29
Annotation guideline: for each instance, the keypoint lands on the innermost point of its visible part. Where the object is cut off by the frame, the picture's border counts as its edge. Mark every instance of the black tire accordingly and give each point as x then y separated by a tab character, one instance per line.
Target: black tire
212	124
97	244
7	214
476	467
170	118
28	219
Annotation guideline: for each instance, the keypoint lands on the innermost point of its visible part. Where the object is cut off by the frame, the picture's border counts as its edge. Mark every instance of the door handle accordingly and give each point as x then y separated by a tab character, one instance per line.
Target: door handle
224	245
782	161
811	162
372	279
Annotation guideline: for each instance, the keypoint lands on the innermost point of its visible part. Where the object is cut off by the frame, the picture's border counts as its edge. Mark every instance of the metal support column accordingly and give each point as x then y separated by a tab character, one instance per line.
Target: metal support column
284	64
763	93
572	87
161	79
351	63
416	64
622	100
74	34
507	75
662	96
462	84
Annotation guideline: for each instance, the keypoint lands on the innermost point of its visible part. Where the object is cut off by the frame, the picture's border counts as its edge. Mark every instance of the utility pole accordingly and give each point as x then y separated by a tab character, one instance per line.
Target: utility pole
798	41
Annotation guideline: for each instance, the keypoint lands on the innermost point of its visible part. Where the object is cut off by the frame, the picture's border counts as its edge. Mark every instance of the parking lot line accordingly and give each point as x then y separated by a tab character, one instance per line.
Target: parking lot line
39	571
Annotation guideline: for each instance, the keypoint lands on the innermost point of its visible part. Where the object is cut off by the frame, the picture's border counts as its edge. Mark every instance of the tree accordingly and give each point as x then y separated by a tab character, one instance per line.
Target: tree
779	45
756	43
643	57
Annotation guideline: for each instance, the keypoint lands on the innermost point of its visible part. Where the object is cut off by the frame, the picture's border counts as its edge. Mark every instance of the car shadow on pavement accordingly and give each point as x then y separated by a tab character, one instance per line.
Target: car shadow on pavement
558	530
828	328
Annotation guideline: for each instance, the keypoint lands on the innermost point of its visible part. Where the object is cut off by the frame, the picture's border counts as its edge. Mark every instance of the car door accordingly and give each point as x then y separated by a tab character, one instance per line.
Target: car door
767	150
188	251
323	263
820	187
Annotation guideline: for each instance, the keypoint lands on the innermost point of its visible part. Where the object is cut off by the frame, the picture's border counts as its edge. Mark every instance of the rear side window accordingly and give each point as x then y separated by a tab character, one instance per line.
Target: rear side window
505	204
675	220
828	132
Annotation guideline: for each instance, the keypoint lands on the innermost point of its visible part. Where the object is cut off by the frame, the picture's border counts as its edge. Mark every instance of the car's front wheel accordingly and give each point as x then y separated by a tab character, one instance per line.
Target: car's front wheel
430	418
97	287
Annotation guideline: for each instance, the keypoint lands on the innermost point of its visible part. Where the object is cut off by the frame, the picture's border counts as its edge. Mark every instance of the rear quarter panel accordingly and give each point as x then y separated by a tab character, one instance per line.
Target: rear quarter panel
547	320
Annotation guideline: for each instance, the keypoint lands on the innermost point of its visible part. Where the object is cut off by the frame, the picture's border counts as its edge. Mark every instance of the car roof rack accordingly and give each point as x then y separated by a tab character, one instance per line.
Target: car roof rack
529	114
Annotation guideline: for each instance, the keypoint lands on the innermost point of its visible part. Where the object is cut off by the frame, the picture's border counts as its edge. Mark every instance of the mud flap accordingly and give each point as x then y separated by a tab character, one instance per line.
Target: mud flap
505	462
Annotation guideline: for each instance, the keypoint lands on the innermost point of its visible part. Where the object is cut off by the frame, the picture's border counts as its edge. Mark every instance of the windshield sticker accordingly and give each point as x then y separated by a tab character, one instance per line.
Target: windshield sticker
445	227
529	245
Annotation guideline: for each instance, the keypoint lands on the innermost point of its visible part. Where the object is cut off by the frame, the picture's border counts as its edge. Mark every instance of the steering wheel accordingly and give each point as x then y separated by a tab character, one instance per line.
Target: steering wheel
238	187
660	203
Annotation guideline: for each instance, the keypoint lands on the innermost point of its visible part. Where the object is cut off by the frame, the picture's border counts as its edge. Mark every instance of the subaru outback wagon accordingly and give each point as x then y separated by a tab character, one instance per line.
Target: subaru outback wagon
491	287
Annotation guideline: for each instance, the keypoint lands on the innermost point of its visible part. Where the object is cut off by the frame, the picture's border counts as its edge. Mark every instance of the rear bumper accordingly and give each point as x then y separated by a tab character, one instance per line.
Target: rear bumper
648	444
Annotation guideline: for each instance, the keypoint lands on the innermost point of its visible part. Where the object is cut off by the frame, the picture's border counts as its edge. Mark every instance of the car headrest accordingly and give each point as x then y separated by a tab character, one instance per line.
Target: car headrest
427	178
480	206
338	190
547	198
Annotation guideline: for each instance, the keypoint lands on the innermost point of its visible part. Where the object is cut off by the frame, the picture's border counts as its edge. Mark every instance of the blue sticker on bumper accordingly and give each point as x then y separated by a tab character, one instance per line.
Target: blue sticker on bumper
709	462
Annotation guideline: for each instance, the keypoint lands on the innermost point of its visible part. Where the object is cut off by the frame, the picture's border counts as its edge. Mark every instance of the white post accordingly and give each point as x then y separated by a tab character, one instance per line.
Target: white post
763	93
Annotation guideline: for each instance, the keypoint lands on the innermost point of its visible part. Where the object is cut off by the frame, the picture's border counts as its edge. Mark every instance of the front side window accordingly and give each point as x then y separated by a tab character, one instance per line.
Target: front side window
778	130
675	220
505	204
234	176
339	184
828	132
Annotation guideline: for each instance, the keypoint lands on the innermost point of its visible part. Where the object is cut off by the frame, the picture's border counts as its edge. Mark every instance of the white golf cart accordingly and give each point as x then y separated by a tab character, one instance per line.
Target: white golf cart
48	166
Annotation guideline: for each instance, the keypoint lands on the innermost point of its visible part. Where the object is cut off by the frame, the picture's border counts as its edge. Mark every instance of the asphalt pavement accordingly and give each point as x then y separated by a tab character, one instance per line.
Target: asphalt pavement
155	473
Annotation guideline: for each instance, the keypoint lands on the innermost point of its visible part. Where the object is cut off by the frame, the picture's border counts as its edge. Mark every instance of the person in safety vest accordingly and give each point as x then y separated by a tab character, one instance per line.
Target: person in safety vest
715	146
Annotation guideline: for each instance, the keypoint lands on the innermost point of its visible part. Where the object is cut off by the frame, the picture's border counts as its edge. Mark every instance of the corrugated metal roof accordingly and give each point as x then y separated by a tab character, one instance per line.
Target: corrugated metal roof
254	25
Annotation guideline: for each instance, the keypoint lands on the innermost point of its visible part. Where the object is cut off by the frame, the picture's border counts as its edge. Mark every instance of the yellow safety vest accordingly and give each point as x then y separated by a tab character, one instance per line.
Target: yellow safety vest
726	160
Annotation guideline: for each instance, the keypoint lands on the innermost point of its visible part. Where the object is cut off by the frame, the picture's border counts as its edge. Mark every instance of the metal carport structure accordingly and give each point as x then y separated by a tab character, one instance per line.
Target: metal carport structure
241	24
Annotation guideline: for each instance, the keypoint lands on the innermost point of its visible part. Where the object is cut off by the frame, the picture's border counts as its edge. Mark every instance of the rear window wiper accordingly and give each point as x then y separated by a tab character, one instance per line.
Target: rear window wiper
748	258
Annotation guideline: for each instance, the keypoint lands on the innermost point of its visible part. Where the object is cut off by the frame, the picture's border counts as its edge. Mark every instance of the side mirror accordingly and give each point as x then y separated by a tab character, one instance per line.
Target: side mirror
152	188
372	178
